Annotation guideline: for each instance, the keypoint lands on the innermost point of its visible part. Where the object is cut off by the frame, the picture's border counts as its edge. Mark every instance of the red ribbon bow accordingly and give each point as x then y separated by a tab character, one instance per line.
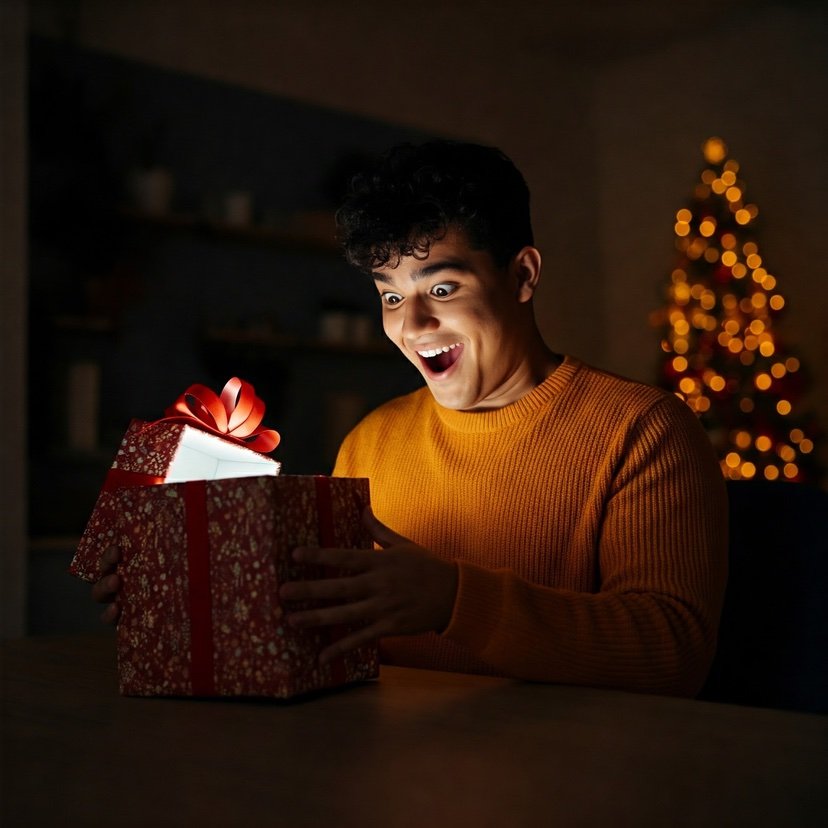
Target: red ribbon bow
235	416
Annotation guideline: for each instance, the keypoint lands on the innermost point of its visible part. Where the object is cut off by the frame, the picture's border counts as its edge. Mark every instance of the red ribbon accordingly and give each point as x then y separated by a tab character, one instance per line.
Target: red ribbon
202	674
235	416
327	539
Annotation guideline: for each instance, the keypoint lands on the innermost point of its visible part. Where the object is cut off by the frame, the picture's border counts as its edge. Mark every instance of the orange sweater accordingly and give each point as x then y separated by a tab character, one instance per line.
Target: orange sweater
588	522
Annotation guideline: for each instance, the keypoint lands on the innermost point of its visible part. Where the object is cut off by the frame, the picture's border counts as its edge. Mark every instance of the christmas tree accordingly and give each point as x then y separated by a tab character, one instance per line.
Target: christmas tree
721	350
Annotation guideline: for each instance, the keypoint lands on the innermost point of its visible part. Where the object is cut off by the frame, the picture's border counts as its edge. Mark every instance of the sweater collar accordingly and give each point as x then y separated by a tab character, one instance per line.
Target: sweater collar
478	422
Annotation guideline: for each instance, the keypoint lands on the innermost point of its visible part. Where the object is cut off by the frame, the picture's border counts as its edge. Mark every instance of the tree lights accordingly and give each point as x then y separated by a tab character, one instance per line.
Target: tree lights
720	349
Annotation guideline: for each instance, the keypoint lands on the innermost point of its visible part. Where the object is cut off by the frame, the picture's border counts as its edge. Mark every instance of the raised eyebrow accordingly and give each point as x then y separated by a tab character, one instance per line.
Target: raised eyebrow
427	270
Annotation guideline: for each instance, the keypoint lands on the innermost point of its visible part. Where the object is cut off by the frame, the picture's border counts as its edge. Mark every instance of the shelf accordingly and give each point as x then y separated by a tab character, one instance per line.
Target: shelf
85	324
279	343
305	232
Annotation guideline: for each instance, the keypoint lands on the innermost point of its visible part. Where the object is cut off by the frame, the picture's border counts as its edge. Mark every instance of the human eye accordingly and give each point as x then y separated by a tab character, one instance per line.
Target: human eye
389	298
443	290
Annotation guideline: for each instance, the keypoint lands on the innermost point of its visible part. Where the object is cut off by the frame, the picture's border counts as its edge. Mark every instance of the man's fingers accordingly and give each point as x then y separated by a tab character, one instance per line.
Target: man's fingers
366	635
327	616
111	614
384	536
105	590
110	559
325	589
357	560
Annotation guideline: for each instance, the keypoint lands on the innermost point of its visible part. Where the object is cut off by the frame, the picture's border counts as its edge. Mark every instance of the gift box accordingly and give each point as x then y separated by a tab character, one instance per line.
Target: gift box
203	436
202	561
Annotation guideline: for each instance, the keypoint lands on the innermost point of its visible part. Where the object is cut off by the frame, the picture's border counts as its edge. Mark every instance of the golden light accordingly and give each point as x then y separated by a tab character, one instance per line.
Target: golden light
783	407
762	381
702	404
769	282
806	446
751	342
680	346
792	364
742	216
748	248
733	194
739	270
679	364
732	165
684	215
681	293
729	301
718	186
687	385
790	470
678	275
732	460
771	473
748	470
742	439
786	453
682	228
681	327
715	150
728	241
708	300
717	383
707	227
754	260
757	326
732	327
763	442
767	349
735	345
729	258
796	435
708	176
729	177
777	302
752	209
723	338
778	370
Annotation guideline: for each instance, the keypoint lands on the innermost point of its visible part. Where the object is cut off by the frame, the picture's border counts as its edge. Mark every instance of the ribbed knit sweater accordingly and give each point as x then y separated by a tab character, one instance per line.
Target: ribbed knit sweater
588	522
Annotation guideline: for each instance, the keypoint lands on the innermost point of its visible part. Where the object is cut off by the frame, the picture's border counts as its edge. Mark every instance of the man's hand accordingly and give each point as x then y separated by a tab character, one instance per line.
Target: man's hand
401	590
105	591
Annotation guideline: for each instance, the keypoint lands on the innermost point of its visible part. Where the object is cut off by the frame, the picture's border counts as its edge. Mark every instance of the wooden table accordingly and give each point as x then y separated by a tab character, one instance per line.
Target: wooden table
416	748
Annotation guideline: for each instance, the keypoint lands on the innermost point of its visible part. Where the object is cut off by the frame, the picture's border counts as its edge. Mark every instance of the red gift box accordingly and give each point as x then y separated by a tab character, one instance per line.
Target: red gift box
201	564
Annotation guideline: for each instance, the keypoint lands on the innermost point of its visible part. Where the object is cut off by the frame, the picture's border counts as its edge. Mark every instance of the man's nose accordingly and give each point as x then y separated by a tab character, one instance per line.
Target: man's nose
419	316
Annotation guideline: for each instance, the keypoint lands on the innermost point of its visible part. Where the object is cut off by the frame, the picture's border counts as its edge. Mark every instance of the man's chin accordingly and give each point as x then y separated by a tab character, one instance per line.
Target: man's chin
445	397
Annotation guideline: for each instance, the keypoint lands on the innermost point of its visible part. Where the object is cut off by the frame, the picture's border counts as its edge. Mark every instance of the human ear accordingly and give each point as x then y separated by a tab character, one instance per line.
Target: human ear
526	267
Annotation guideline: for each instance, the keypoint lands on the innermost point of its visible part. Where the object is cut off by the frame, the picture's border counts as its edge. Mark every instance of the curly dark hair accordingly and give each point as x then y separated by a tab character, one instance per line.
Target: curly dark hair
413	194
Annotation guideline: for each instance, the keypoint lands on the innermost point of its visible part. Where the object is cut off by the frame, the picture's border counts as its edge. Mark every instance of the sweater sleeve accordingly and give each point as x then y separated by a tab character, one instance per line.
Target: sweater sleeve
651	624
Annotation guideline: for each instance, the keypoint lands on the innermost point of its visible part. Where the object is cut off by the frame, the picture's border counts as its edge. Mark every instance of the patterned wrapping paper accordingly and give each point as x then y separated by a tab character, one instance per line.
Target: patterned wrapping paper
242	643
146	449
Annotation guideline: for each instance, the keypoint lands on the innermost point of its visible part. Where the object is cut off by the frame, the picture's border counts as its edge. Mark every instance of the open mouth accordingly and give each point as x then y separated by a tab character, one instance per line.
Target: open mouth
438	360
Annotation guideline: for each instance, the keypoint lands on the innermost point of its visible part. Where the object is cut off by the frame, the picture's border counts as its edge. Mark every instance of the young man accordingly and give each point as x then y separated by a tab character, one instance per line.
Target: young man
537	518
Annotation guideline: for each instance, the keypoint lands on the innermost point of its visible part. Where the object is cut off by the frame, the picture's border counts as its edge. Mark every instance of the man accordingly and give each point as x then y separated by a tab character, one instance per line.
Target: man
537	518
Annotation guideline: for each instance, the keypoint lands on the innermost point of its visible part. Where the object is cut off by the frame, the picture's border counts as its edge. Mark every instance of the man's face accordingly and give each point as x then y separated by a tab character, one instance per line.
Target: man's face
462	321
